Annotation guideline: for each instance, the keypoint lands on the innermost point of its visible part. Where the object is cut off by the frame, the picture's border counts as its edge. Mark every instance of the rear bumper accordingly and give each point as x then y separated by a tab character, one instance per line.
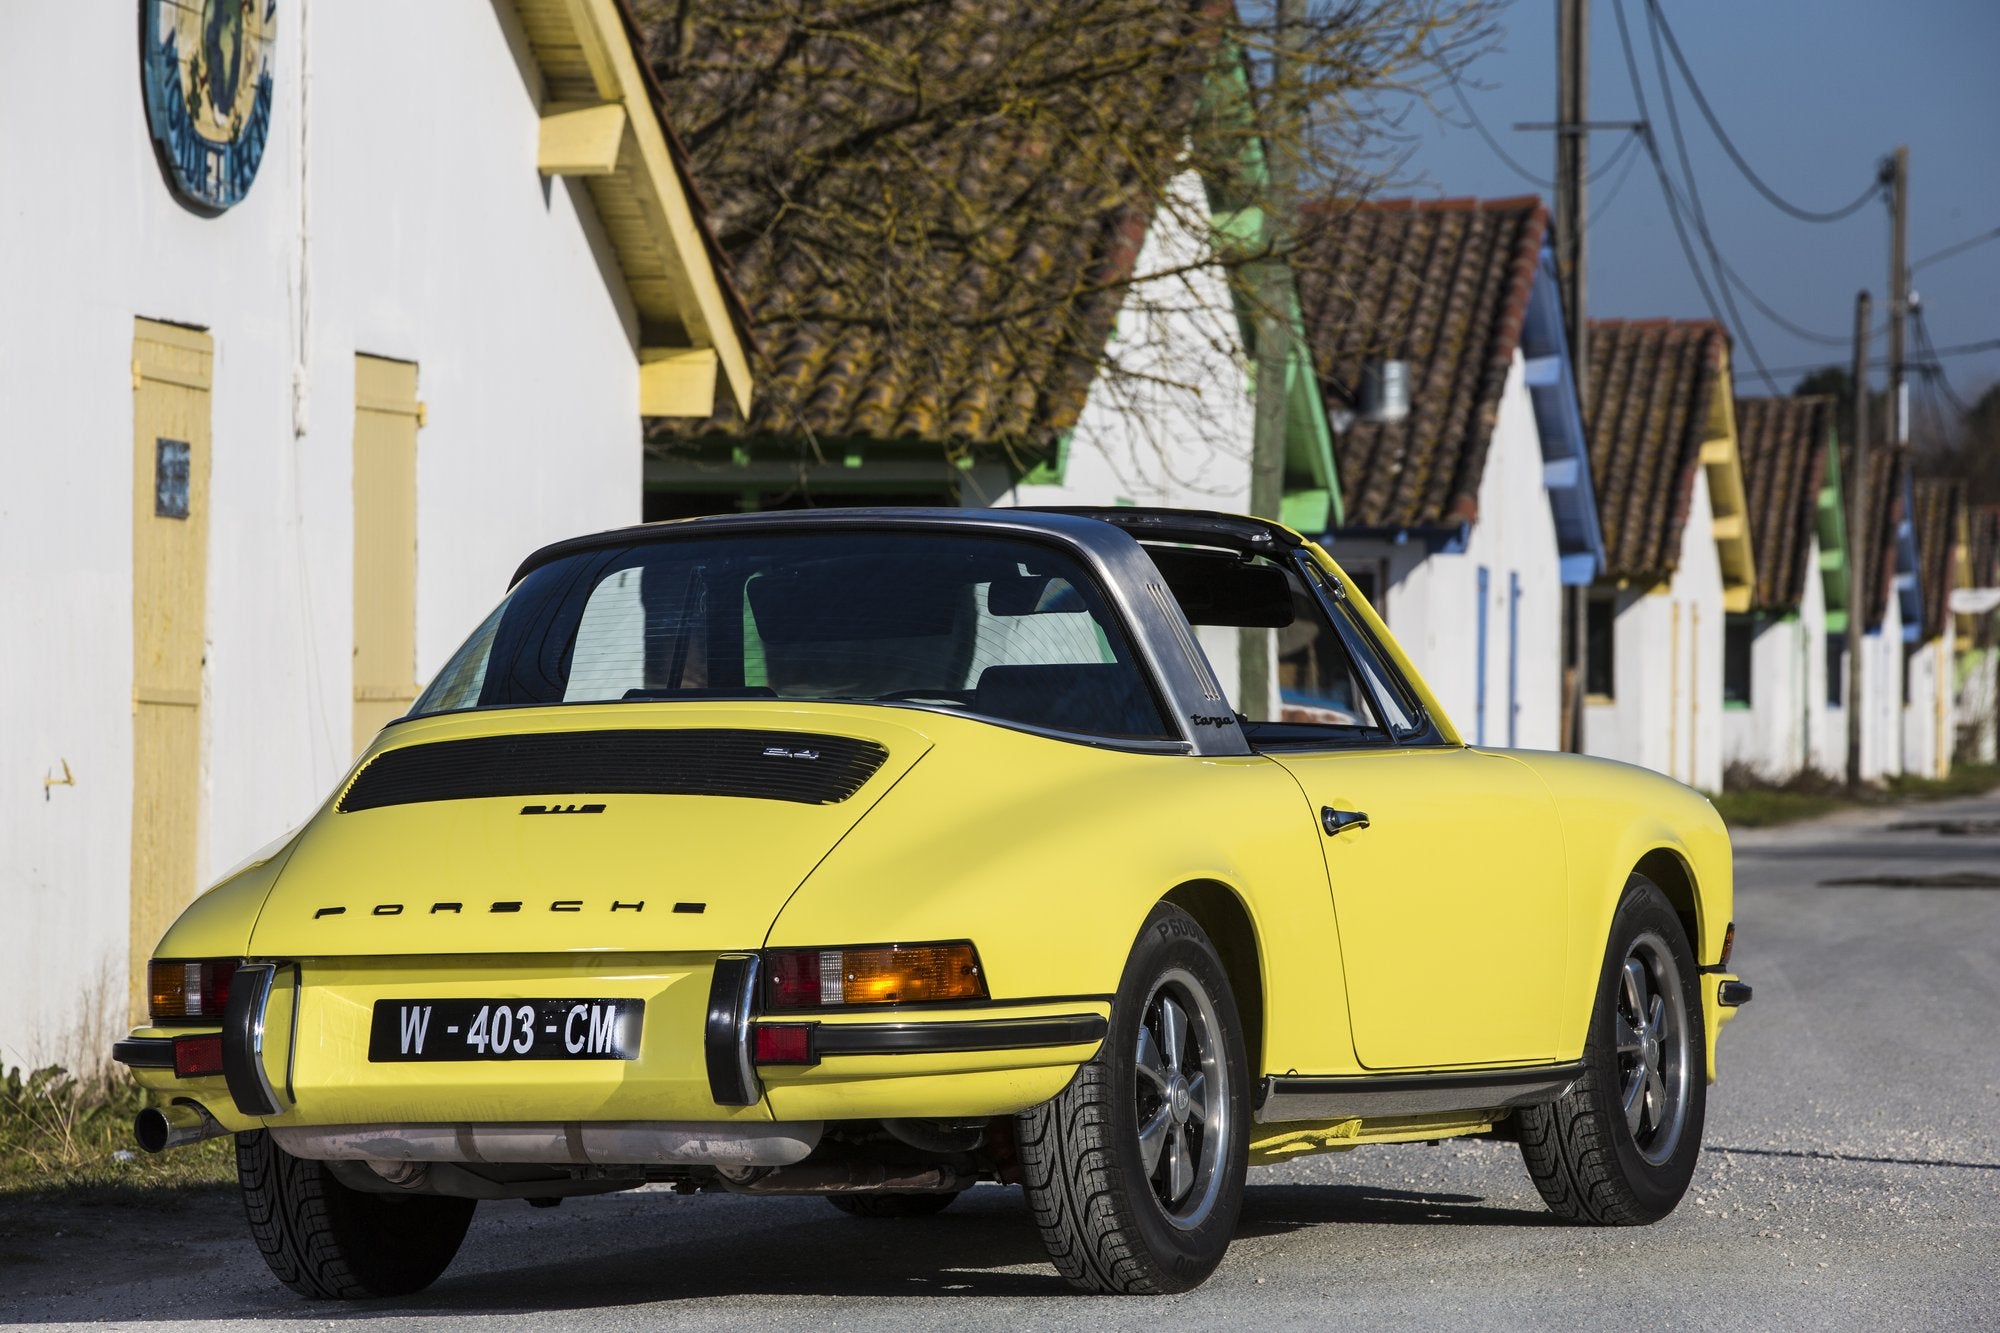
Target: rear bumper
696	1062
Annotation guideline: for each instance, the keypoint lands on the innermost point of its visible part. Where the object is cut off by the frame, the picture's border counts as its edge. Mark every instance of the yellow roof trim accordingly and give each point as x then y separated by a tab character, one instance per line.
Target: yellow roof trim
587	60
1728	500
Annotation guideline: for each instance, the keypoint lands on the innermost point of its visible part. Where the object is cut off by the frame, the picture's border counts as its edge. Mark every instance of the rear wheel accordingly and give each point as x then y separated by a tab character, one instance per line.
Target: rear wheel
328	1242
891	1205
1619	1148
1134	1172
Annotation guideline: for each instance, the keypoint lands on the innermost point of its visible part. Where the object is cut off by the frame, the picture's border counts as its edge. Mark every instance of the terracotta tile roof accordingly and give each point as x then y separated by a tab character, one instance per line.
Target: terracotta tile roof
1652	384
1444	285
1783	442
1063	228
1938	502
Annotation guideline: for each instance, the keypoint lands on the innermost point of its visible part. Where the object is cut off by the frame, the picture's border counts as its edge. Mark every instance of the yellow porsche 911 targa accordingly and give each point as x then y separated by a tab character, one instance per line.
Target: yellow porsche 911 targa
878	853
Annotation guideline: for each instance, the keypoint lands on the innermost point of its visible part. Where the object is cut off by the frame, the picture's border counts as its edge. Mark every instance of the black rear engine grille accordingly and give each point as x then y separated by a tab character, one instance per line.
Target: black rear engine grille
770	765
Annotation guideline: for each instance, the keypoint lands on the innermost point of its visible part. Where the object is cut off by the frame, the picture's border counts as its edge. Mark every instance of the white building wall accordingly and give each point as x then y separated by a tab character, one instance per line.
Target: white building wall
1930	722
1882	697
1977	705
1665	712
1784	727
397	212
1174	426
1432	602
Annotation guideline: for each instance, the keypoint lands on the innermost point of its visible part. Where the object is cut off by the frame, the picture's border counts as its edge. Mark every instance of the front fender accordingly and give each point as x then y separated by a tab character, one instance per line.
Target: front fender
1614	816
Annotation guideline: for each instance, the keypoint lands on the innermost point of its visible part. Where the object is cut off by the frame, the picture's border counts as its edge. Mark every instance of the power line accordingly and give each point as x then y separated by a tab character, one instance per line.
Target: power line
1933	362
1729	146
1611	195
1960	248
1935	372
1472	116
1674	203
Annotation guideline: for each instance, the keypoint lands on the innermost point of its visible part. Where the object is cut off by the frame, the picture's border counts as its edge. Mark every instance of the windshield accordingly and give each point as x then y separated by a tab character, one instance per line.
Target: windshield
1005	629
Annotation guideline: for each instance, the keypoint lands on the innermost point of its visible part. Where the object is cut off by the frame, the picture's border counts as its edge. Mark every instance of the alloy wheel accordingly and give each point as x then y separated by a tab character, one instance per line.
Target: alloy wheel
1654	1046
1183	1099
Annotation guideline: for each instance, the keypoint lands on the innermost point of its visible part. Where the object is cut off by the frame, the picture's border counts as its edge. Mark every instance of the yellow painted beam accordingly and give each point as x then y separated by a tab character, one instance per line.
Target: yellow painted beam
677	381
1718	452
1728	527
1736	597
581	140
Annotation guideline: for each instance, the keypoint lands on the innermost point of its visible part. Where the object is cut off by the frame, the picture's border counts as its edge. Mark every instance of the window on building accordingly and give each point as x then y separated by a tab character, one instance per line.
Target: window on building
1836	670
1601	623
1738	635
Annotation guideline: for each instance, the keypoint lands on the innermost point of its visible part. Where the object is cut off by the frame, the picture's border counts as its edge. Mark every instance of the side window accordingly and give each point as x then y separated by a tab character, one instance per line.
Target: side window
1399	709
1323	692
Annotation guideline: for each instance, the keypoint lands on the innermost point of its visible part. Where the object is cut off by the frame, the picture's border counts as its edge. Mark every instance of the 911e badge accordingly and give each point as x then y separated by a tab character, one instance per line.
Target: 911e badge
208	67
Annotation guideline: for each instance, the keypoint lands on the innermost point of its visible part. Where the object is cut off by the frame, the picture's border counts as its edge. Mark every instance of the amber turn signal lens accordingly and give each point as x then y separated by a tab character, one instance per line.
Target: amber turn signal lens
182	992
885	974
1728	945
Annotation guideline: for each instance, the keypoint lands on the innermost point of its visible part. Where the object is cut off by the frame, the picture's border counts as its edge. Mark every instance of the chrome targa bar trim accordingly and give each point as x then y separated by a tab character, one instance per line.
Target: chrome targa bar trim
997	1034
243	1040
732	1003
144	1052
1345	1098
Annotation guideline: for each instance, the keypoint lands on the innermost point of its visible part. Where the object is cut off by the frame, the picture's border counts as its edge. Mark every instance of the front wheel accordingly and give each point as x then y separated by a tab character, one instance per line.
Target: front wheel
328	1242
1619	1148
1134	1172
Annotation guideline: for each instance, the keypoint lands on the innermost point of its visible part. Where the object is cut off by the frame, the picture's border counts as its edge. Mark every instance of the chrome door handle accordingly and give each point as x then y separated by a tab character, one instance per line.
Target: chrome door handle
1339	821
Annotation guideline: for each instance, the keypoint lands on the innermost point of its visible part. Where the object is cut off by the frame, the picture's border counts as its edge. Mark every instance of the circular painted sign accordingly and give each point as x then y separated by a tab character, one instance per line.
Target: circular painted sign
208	66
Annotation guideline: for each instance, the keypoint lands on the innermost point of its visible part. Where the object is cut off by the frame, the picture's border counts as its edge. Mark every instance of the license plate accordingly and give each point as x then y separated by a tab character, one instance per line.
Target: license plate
505	1030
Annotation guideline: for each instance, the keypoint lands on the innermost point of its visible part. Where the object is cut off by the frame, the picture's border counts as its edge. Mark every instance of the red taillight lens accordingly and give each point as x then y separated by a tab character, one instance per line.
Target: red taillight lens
183	992
885	974
195	1057
785	1044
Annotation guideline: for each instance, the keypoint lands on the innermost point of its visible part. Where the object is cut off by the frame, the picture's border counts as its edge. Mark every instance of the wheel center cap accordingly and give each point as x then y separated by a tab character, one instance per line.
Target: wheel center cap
1177	1097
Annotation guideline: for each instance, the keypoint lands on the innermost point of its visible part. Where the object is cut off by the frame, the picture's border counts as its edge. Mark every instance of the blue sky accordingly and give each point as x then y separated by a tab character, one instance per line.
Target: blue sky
1814	93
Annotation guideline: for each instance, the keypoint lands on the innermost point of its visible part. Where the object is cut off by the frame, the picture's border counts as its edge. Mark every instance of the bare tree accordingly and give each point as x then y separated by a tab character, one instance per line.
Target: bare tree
950	196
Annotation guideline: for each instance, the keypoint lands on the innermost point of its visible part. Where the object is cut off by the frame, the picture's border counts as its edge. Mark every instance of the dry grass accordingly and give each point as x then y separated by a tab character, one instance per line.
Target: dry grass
71	1136
1748	802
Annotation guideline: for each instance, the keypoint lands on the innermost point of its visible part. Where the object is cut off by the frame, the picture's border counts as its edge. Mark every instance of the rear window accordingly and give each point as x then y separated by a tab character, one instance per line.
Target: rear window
999	628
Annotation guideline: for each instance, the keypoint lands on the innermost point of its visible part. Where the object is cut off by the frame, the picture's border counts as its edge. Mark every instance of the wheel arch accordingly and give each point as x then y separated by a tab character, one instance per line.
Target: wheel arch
1670	871
1222	915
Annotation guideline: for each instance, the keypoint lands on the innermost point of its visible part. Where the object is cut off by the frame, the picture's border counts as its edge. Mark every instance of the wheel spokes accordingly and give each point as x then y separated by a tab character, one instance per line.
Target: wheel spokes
1656	1017
1153	1136
1173	1033
1628	1039
1150	1062
1656	1098
1180	1164
1635	1100
1635	988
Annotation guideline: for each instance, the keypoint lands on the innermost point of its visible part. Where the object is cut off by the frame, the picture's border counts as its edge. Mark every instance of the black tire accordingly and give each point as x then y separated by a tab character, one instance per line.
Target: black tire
328	1242
1587	1157
1110	1224
891	1205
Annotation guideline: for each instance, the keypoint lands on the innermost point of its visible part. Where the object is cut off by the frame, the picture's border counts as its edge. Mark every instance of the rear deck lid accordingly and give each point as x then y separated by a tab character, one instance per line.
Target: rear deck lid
629	827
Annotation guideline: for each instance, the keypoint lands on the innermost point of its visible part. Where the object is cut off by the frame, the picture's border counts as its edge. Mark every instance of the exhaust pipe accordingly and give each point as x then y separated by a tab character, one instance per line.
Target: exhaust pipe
175	1126
846	1177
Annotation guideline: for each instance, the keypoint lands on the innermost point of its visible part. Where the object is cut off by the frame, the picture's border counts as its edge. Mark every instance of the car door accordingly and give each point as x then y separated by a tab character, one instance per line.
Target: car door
1445	863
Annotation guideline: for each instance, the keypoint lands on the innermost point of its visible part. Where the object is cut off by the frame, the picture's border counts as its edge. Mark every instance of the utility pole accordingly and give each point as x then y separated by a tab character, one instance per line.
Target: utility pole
1896	173
1282	118
1859	531
1572	256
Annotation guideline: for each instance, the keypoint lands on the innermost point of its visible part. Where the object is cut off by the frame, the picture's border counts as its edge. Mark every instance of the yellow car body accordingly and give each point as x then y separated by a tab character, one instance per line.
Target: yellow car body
1458	936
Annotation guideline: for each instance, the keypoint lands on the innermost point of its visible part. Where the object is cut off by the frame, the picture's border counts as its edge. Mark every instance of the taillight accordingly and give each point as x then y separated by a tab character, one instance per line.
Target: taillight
877	974
183	992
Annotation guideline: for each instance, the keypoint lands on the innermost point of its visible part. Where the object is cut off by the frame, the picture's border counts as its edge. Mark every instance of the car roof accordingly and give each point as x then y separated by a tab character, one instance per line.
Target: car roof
1192	526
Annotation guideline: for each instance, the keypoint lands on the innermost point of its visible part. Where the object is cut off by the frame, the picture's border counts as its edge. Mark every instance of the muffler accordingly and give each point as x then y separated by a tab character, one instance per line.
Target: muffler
859	1176
175	1126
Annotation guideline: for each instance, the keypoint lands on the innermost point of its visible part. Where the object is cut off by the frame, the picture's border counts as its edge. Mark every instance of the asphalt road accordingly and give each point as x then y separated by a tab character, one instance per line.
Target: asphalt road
1851	1180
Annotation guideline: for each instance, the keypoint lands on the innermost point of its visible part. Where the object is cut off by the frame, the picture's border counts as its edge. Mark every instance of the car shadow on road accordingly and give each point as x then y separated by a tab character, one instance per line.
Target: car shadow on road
1274	1209
691	1250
